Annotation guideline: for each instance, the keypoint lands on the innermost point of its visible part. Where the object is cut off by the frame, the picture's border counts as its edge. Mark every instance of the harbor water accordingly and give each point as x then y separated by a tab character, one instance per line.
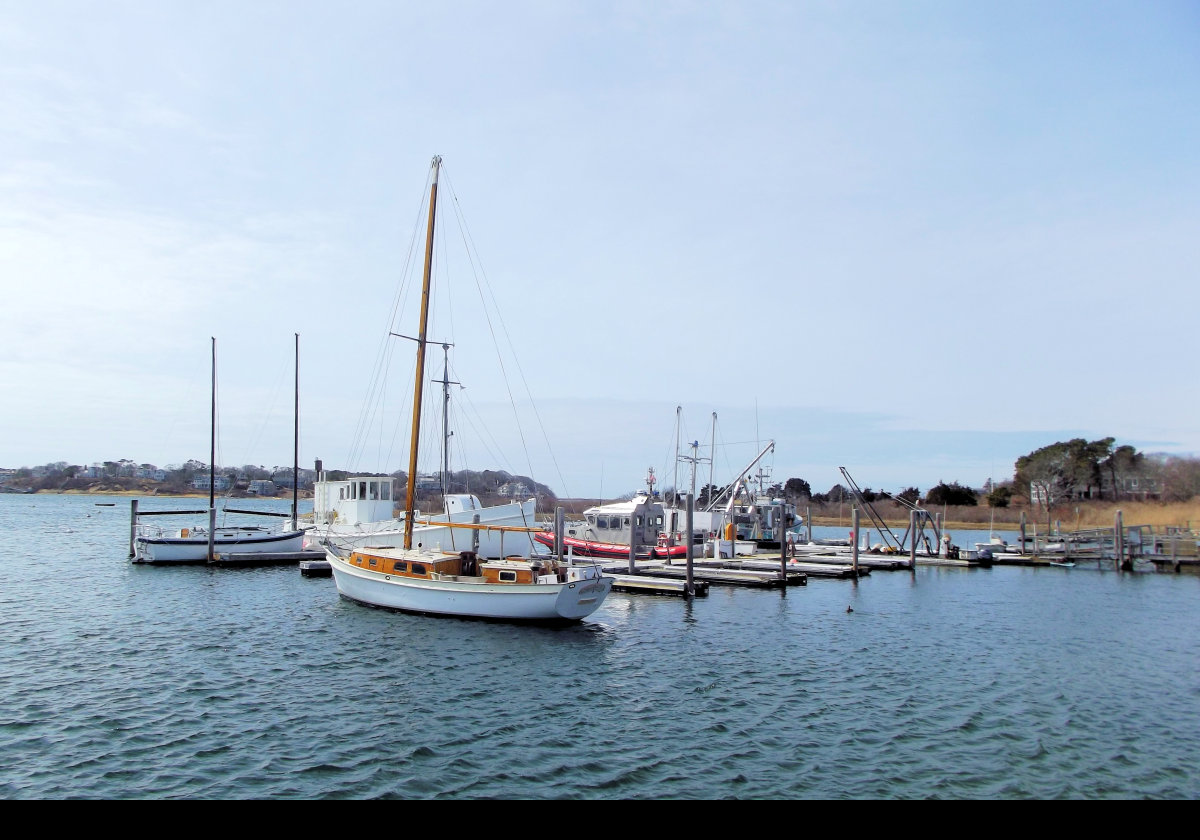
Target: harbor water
123	681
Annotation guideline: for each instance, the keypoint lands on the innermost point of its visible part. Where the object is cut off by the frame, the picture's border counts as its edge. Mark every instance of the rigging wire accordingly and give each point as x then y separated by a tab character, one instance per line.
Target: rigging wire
487	296
375	405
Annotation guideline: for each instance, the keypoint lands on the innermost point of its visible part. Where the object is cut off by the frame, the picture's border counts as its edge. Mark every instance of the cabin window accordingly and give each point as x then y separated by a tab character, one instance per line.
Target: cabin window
508	577
658	520
398	566
362	489
341	493
418	568
638	520
592	520
386	491
374	562
372	490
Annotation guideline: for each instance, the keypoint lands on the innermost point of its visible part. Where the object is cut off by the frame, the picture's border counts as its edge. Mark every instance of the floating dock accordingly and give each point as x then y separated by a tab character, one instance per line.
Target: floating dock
715	575
649	585
245	560
316	568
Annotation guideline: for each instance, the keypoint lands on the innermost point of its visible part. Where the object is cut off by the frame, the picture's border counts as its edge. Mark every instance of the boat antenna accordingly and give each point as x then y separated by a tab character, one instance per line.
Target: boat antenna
410	495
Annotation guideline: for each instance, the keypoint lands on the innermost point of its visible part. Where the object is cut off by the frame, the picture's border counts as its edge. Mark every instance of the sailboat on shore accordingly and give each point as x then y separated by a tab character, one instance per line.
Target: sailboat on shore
202	543
430	580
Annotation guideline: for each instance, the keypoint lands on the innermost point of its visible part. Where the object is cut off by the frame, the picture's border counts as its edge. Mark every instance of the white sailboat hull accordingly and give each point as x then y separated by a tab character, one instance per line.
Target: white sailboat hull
569	601
163	550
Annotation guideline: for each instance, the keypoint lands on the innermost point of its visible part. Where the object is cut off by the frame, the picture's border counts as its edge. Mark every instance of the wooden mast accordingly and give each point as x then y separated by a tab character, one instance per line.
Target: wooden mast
410	496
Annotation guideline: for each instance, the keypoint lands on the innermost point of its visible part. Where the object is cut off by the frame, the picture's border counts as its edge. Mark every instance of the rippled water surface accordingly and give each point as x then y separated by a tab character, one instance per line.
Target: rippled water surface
123	681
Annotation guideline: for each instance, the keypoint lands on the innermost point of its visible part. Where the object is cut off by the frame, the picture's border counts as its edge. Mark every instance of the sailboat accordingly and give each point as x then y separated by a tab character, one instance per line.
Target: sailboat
202	544
429	580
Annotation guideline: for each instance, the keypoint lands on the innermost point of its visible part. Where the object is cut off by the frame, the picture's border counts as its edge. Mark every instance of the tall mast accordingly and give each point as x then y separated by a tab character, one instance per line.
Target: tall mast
212	457
212	433
410	496
296	445
675	486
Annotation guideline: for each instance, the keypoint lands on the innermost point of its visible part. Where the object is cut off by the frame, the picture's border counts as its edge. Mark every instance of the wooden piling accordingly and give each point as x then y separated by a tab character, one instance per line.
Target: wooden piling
854	548
912	533
691	548
133	506
1118	539
212	529
632	550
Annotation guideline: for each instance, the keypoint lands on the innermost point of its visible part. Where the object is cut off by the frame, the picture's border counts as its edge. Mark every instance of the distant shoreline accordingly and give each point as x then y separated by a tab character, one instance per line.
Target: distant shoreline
134	494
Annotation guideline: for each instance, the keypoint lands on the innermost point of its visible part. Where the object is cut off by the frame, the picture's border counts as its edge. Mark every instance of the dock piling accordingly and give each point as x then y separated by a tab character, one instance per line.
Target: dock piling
133	506
691	548
854	547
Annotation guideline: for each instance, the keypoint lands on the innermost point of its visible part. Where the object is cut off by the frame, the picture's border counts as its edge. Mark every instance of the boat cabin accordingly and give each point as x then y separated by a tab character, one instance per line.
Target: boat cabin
358	499
638	521
765	520
464	565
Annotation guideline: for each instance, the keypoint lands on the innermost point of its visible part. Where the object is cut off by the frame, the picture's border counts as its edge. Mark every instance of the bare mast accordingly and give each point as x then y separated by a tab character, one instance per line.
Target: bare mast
296	446
410	495
212	456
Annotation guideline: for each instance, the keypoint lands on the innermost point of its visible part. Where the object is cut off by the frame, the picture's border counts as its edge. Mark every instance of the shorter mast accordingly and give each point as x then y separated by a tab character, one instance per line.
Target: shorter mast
212	456
296	446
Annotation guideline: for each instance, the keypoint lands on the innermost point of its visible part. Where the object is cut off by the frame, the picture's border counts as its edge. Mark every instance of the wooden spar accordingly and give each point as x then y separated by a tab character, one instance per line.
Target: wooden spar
483	526
255	512
410	495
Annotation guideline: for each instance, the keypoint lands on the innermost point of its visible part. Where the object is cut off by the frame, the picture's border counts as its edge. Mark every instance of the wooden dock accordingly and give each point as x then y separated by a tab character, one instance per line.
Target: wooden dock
246	560
316	568
770	563
645	584
716	575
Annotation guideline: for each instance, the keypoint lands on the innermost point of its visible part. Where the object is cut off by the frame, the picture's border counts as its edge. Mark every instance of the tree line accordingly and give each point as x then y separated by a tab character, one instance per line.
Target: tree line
1075	469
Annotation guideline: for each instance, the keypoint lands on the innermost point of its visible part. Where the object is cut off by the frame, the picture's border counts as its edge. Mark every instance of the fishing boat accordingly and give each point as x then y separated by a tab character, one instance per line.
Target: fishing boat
198	544
610	530
1064	564
430	580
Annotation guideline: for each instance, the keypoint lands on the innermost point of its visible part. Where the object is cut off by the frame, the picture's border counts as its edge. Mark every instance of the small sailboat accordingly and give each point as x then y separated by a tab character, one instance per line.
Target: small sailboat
201	544
428	580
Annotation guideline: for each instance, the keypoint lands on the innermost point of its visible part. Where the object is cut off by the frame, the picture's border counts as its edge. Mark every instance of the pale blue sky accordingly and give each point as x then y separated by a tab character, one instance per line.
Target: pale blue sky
914	239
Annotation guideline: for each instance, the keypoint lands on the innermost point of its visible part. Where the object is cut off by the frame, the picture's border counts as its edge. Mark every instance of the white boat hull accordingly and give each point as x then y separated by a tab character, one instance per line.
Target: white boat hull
390	533
570	601
193	548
